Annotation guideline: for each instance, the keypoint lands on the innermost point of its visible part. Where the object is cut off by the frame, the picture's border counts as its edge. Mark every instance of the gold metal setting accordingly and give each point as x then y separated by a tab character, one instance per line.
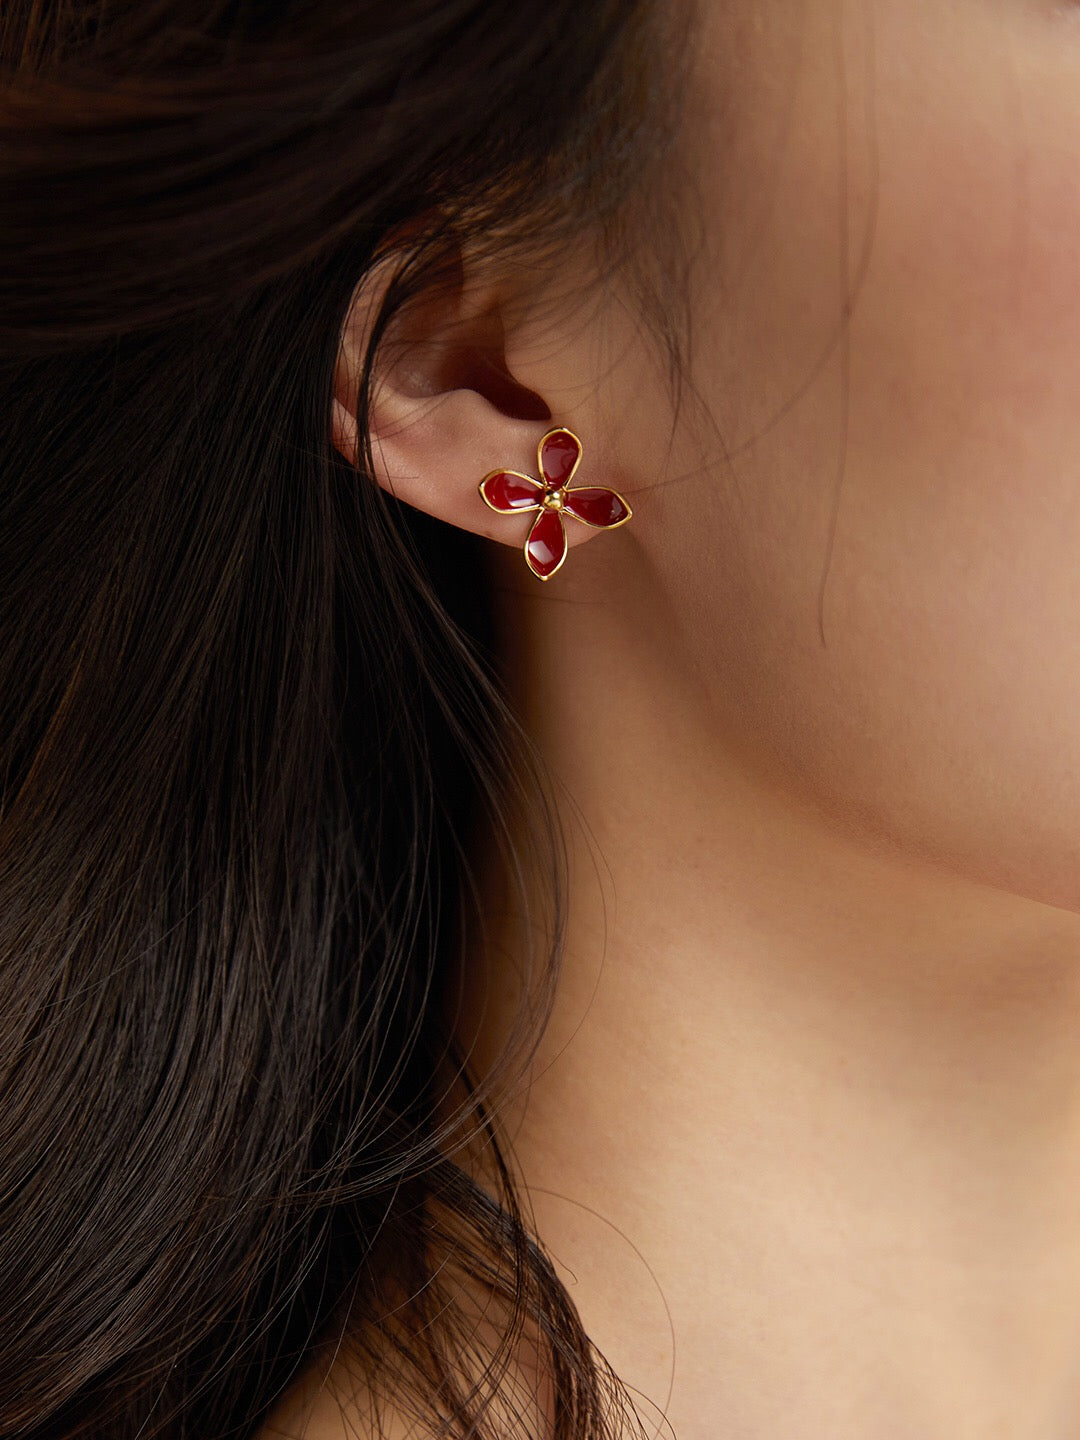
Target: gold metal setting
554	496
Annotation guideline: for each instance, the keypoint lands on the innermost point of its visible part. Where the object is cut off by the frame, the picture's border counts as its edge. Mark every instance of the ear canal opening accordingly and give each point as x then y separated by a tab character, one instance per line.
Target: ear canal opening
492	380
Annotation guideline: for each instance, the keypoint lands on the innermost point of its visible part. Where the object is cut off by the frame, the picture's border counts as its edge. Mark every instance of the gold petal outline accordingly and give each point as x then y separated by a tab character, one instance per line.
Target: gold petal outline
591	523
518	509
565	544
558	430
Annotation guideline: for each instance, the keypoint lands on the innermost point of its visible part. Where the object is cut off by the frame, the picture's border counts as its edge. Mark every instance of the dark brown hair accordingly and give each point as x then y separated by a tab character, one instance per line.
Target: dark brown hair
250	716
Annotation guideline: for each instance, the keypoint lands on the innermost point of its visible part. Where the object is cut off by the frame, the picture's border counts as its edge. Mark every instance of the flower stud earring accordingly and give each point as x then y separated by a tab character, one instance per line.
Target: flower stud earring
557	457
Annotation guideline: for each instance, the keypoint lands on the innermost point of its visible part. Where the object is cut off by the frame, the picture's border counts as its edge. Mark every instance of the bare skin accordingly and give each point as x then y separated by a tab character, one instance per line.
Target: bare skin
804	1132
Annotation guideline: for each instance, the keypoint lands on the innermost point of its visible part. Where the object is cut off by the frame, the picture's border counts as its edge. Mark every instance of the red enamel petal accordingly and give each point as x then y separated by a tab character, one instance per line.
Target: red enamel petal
559	453
545	549
597	506
503	490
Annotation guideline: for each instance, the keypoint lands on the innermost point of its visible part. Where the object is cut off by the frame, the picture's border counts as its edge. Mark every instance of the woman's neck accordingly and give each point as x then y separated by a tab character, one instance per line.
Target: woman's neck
804	1129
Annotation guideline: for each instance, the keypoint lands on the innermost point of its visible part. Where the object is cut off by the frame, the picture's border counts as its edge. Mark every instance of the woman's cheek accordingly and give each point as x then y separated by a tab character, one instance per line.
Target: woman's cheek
895	605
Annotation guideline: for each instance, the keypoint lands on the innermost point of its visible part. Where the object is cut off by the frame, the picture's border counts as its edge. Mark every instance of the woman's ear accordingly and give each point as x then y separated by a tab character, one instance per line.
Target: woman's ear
444	407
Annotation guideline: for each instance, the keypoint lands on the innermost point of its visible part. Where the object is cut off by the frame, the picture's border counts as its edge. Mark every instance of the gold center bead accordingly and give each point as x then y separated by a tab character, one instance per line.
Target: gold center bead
555	499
